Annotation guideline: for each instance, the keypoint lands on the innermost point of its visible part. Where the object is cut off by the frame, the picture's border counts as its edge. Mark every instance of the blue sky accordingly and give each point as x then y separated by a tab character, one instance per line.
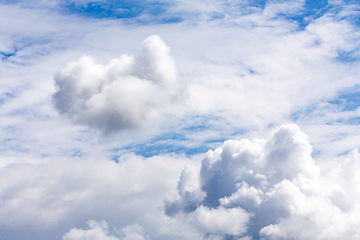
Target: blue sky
154	119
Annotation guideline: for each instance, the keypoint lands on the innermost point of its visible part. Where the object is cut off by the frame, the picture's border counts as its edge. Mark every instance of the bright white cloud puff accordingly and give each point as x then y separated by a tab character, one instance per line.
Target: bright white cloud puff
127	93
269	189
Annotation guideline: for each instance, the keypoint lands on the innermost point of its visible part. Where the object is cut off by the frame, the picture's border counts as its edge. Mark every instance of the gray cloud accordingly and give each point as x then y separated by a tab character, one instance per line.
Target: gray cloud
127	93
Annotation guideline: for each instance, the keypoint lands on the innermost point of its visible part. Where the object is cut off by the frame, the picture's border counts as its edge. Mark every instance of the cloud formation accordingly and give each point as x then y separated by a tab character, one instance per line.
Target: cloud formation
127	93
270	189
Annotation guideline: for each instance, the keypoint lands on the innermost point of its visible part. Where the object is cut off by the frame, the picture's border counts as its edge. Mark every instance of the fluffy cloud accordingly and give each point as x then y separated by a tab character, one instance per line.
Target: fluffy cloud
269	189
126	93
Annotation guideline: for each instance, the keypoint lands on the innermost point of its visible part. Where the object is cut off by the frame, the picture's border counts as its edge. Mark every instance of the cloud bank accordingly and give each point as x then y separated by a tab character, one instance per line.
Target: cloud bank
127	93
268	189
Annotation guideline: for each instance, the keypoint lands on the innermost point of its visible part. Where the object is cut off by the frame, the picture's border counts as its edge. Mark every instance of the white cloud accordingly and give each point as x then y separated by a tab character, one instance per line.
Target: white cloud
275	189
126	93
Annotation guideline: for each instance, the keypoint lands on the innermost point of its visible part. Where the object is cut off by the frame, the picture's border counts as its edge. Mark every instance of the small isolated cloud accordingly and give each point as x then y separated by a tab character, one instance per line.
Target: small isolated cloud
270	189
127	93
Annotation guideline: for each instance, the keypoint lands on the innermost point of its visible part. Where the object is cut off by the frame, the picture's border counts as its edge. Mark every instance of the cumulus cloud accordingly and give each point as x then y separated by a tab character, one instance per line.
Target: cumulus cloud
127	93
270	189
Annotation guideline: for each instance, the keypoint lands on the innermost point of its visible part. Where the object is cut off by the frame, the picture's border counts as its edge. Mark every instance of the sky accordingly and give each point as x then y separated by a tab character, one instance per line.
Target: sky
157	119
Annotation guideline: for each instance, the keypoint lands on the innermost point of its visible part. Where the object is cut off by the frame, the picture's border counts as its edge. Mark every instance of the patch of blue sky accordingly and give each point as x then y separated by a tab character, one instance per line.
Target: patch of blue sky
42	43
342	110
312	9
349	99
179	143
351	12
316	153
116	9
298	115
345	153
5	97
10	144
6	55
318	112
259	3
351	2
153	149
348	56
351	121
346	100
176	142
76	153
162	145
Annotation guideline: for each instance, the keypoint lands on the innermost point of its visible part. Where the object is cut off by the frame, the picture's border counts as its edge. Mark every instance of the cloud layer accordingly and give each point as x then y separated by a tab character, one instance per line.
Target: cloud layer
269	189
127	93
